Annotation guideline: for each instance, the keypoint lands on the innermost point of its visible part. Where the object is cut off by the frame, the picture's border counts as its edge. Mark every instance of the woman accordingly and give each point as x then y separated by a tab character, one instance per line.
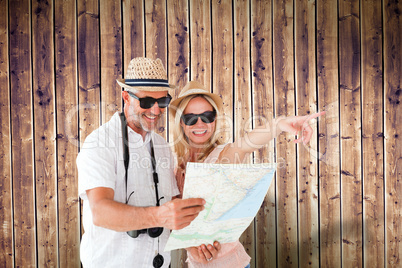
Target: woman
198	122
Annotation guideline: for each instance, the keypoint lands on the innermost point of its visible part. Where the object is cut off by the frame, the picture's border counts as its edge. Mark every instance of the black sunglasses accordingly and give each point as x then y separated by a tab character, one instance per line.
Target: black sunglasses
206	117
148	102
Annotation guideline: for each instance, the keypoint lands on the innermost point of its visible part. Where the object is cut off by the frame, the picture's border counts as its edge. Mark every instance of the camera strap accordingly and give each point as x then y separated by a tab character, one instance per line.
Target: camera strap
155	175
126	157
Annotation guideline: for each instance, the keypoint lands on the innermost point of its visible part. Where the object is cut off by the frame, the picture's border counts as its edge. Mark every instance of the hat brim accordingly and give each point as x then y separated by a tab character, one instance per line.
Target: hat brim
122	83
174	104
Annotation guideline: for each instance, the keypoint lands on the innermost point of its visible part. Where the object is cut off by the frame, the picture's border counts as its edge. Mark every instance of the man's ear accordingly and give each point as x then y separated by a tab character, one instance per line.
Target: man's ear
125	96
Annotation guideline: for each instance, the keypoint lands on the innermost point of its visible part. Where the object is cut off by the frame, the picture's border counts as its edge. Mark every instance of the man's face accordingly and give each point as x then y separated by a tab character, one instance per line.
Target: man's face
140	119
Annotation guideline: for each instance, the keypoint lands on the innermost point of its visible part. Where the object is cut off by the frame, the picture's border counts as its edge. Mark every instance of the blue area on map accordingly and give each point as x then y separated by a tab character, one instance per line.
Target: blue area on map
251	203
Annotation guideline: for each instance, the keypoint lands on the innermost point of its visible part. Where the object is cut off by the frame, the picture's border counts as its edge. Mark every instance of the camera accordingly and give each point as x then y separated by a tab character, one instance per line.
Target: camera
158	261
152	232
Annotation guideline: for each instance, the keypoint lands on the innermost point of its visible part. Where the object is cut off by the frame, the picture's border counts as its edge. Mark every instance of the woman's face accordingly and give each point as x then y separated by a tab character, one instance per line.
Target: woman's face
200	132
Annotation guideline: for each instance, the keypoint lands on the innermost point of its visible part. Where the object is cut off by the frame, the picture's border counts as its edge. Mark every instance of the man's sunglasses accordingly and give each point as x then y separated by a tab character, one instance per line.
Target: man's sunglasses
148	102
206	117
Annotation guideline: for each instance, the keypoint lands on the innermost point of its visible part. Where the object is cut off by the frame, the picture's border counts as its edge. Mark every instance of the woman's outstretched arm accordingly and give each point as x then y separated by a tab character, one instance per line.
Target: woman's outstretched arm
262	135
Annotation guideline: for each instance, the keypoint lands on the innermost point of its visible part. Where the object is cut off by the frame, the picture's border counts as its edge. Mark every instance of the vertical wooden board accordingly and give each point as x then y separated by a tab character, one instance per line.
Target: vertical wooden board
22	134
156	43
178	43
329	164
155	30
265	229
243	94
88	66
222	61
242	84
263	112
45	134
178	39
67	133
372	143
178	65
133	31
305	74
111	57
349	79
6	209
200	30
392	25
286	150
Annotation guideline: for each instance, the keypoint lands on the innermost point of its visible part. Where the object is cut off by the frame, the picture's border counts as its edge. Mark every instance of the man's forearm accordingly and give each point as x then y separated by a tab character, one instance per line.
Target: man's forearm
121	217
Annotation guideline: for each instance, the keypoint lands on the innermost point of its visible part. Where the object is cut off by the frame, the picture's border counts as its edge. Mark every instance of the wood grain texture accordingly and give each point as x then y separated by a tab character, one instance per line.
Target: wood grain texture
372	133
156	43
45	132
350	116
286	189
178	39
89	95
133	29
22	135
88	66
201	47
111	58
263	113
58	67
155	30
6	201
222	61
67	133
306	100
392	25
242	96
328	133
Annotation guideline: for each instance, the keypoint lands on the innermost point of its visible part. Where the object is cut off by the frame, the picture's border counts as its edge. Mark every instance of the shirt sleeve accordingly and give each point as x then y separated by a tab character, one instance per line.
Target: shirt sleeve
96	164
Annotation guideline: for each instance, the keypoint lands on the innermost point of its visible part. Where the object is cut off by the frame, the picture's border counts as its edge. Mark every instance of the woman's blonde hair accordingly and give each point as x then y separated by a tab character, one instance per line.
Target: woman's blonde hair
181	145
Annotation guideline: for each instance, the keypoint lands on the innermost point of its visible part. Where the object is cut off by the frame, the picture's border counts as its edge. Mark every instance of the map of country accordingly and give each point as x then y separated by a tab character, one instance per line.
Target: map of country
233	195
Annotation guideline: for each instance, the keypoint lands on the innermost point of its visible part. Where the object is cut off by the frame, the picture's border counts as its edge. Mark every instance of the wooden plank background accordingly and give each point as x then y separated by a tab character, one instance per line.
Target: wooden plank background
69	229
328	133
350	132
334	203
44	133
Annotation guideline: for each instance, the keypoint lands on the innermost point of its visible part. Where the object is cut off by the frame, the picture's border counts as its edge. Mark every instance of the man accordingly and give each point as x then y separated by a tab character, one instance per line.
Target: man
121	213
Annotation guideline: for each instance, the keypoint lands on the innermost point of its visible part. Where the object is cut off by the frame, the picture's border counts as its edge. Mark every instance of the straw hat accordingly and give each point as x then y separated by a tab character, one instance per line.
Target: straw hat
145	74
194	88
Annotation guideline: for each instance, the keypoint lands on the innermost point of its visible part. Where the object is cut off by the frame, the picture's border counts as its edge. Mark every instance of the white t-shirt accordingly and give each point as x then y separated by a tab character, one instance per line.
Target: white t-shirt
100	164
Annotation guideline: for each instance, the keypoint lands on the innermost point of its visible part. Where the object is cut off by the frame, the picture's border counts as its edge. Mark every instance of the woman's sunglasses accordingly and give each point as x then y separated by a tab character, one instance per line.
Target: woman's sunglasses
148	102
206	117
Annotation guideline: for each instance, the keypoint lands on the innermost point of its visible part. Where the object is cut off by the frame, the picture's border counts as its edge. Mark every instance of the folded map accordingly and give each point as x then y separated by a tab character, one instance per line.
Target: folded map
233	194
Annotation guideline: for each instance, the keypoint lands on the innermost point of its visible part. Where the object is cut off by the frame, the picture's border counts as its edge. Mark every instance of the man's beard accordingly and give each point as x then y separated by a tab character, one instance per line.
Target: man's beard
139	121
